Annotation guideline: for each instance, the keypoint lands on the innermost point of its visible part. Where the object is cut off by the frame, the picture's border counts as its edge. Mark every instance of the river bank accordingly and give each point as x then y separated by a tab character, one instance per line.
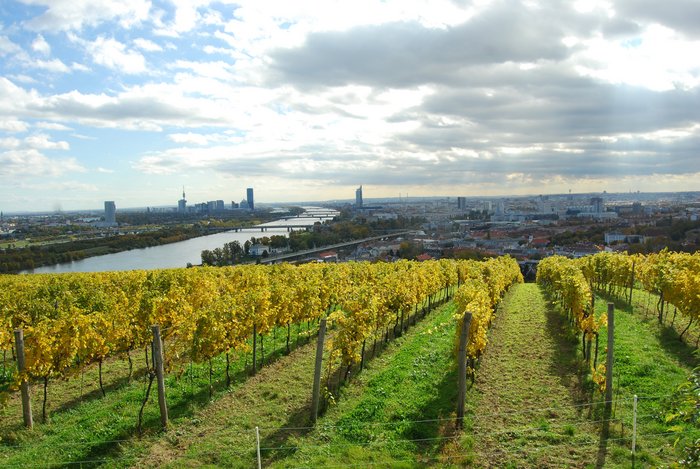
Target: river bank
182	252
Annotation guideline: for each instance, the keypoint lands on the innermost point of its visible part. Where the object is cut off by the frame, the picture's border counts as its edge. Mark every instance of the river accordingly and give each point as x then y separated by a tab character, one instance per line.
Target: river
181	253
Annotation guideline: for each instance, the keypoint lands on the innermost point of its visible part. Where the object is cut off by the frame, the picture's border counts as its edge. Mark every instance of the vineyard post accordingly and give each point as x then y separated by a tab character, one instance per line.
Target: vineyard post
315	396
158	361
634	427
26	404
255	345
632	282
257	444
462	391
610	357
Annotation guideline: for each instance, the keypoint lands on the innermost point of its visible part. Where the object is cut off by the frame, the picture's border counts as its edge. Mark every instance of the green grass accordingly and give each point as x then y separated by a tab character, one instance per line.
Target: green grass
398	412
15	244
651	362
532	404
84	426
527	404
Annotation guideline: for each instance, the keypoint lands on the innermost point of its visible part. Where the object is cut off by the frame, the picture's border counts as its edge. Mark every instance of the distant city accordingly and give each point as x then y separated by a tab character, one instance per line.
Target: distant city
526	227
215	206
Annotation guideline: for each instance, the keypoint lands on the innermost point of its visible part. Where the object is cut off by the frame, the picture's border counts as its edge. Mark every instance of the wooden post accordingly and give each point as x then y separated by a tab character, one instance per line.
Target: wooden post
462	378
610	356
158	362
255	345
315	396
26	403
632	282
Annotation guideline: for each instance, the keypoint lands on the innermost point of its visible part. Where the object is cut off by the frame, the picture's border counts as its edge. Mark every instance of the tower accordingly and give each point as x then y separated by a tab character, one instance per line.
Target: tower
182	203
110	213
358	197
249	195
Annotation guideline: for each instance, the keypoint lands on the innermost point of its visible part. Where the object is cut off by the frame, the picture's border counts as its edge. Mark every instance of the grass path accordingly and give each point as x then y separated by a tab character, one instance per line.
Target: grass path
526	401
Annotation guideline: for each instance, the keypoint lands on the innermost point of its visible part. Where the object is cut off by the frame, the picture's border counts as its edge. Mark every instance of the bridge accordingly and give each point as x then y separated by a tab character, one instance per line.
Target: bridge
261	228
276	226
319	215
307	252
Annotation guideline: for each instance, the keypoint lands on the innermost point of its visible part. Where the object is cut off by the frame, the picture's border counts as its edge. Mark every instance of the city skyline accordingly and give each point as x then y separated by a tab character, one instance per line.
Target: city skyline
129	100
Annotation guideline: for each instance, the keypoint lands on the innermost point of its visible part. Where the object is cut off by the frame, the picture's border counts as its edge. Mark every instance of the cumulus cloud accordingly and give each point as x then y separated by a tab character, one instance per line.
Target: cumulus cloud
54	65
7	47
64	15
13	126
31	162
147	45
41	46
113	54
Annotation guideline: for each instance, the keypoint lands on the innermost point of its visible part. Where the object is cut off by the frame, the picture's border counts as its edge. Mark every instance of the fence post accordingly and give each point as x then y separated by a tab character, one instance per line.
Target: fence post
315	396
632	282
462	378
634	427
26	403
257	444
158	361
610	357
255	346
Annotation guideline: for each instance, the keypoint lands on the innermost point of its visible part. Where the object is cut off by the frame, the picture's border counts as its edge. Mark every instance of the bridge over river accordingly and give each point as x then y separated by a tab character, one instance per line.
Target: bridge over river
307	252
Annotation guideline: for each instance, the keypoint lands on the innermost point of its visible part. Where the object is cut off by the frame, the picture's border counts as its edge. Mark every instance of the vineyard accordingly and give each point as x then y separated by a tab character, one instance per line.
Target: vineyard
219	326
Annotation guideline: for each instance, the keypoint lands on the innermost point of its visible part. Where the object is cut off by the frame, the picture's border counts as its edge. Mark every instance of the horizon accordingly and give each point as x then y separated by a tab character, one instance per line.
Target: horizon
129	100
351	201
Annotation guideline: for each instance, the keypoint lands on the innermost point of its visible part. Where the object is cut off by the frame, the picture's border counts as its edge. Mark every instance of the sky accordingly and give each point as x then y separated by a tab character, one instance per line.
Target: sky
130	100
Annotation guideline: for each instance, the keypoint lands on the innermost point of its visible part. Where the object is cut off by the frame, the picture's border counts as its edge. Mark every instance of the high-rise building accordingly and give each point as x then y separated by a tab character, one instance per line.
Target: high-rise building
249	198
461	203
597	203
182	203
110	213
500	207
358	197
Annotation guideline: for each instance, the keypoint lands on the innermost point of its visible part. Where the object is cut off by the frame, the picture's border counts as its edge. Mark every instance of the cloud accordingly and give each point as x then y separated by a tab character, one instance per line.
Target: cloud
51	126
65	15
196	139
114	55
32	163
63	186
7	47
13	126
44	142
497	95
54	65
408	54
10	143
680	15
147	45
41	46
148	107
